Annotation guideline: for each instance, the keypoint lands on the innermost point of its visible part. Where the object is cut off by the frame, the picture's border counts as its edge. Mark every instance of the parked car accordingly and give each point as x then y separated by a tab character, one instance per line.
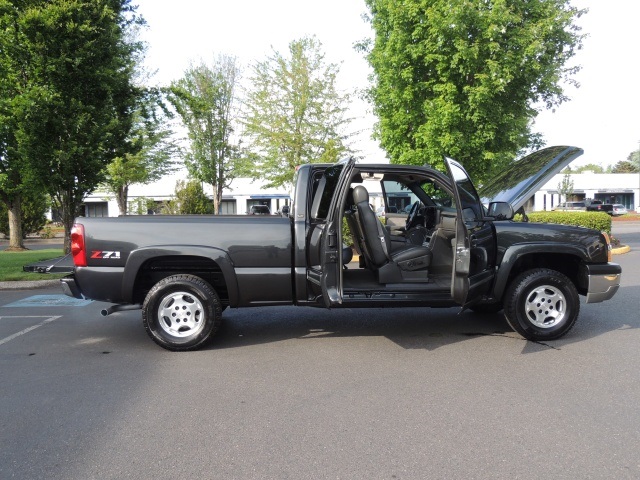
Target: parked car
259	210
619	209
599	206
571	206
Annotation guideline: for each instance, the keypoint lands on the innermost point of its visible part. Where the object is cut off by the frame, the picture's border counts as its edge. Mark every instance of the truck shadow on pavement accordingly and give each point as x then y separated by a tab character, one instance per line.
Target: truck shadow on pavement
412	328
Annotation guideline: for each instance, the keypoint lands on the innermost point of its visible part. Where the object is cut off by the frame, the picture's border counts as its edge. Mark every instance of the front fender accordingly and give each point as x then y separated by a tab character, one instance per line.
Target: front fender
138	257
515	253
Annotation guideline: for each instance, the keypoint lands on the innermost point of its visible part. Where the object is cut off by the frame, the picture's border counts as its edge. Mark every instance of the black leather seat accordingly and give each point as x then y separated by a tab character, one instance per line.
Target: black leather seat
376	245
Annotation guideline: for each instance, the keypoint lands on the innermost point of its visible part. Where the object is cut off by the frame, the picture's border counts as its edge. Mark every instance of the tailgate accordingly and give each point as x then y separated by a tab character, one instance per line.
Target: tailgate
54	265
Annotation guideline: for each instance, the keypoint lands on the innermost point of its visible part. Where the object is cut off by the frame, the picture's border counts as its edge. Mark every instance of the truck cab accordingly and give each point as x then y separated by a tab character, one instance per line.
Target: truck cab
440	250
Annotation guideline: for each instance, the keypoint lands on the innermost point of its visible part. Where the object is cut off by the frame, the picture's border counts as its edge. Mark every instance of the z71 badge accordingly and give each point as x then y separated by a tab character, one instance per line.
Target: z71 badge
105	255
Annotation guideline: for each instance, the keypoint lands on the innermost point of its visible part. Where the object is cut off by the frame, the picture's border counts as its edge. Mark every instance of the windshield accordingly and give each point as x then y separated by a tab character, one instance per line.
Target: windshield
467	192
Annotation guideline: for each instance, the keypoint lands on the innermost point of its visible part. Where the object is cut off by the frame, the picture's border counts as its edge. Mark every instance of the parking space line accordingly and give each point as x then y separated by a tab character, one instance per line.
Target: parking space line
26	330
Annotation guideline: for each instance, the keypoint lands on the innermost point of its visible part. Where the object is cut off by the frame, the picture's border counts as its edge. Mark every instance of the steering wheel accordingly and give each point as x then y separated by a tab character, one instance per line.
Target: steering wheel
413	213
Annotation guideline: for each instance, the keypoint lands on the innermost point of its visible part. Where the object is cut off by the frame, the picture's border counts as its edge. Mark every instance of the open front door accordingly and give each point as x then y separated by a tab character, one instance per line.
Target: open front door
336	187
474	249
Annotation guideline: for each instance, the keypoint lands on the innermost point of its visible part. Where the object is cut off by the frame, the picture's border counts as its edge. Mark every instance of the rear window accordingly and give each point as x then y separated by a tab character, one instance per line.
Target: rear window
325	191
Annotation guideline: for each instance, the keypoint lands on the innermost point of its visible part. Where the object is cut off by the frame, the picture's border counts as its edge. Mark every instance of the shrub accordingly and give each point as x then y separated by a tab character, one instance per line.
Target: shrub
597	220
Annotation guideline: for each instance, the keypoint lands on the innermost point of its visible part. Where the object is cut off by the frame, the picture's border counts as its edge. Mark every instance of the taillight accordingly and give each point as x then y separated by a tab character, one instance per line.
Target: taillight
78	250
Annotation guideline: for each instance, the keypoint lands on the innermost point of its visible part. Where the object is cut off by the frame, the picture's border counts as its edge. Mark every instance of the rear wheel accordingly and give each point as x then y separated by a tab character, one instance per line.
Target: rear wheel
541	304
181	312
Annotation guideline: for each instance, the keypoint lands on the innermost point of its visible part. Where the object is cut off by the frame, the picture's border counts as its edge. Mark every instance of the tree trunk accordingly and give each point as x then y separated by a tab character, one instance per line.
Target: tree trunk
67	212
68	225
122	196
16	242
217	195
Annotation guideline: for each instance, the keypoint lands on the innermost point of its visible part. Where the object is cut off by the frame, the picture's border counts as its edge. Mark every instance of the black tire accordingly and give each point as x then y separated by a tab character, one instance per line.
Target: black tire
181	312
541	304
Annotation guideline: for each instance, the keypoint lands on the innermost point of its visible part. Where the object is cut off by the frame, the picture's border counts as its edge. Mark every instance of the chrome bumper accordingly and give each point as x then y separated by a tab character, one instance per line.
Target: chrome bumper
603	281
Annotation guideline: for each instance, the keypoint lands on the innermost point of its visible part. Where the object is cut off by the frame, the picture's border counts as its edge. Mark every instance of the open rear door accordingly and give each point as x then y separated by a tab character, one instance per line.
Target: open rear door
474	249
338	177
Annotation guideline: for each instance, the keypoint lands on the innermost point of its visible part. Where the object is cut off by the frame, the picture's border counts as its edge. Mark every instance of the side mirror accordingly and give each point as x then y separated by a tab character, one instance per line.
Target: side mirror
500	211
285	211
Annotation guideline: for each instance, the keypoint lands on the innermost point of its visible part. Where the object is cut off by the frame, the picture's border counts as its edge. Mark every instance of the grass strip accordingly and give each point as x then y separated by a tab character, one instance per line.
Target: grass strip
11	264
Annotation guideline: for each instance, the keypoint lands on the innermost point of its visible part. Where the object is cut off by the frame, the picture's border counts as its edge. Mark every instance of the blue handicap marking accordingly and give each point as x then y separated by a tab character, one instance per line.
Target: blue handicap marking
50	301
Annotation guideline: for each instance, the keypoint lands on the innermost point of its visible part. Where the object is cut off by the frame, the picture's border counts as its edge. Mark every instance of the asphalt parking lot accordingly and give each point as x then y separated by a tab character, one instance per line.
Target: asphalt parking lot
295	393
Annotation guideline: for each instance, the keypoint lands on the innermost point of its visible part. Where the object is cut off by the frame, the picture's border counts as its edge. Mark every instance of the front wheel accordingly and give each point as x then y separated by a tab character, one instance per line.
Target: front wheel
541	304
181	312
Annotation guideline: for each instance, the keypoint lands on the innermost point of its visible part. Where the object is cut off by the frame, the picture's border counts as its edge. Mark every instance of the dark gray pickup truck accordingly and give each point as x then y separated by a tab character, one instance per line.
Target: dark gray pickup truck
451	248
599	206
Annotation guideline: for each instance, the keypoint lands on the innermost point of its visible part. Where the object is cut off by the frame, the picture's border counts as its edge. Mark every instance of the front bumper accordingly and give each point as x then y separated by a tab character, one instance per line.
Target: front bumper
603	281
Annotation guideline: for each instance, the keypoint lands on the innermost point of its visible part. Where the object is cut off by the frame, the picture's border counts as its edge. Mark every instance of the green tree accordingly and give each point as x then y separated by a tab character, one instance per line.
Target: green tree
465	77
149	158
191	198
630	165
16	178
33	207
625	166
634	157
205	99
73	108
565	187
589	167
295	114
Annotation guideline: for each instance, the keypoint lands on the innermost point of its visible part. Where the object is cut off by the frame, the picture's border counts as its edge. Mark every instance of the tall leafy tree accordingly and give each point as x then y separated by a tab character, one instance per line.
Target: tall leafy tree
74	110
206	100
17	179
634	157
294	112
149	156
625	166
33	208
630	165
565	187
466	77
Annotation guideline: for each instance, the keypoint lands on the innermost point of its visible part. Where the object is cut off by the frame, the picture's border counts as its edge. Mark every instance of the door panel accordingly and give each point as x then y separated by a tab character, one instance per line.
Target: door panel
331	243
475	247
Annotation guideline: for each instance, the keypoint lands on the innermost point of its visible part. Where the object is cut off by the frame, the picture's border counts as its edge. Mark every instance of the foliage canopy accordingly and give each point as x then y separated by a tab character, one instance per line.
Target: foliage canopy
465	77
205	99
295	113
73	66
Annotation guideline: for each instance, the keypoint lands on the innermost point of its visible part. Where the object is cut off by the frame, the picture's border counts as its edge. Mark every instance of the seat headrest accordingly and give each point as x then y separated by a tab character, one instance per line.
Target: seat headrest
360	195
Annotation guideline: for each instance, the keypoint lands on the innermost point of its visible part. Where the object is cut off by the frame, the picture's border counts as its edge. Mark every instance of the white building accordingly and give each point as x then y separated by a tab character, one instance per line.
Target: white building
238	199
623	188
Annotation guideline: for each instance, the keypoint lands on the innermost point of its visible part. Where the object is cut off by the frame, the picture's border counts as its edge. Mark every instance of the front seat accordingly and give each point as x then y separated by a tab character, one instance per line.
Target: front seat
391	265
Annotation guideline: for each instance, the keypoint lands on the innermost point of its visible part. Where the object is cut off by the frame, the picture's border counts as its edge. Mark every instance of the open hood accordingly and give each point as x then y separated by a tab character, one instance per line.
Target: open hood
519	181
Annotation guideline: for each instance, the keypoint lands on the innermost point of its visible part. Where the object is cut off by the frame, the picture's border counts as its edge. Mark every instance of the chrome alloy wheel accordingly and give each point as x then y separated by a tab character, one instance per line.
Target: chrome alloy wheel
180	314
546	306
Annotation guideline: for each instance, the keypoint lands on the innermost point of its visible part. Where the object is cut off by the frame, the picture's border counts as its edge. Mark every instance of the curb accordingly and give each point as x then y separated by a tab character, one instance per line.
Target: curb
28	285
620	250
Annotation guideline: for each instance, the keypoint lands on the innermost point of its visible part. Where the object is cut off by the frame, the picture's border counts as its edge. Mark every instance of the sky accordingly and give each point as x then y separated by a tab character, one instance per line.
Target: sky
602	117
